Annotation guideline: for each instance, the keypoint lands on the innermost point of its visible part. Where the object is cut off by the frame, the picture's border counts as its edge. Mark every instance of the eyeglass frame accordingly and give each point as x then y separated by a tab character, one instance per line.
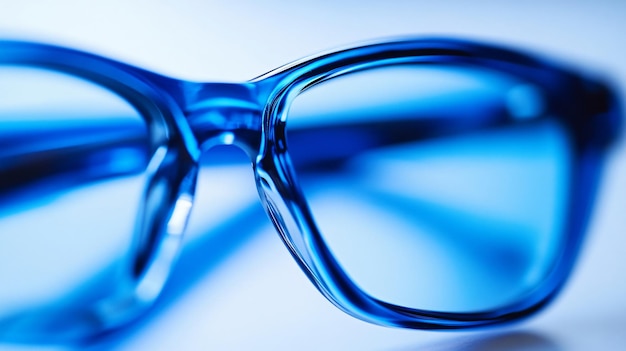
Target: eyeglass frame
253	117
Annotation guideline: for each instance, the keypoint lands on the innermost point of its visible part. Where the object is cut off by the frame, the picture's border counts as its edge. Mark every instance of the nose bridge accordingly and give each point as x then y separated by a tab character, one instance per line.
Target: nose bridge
225	114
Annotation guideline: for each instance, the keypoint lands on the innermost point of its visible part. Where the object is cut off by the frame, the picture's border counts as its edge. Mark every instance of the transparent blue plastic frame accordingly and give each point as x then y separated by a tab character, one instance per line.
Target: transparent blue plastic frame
252	116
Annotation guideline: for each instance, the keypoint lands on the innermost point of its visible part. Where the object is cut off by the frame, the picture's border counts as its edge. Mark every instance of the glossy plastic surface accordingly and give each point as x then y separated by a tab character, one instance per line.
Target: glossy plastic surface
180	120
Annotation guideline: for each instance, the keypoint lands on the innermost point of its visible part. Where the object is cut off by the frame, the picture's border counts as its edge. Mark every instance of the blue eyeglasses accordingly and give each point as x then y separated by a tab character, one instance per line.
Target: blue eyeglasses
434	184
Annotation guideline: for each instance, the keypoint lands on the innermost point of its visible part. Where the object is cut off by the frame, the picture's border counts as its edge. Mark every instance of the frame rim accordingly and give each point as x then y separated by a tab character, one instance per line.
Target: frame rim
172	155
318	262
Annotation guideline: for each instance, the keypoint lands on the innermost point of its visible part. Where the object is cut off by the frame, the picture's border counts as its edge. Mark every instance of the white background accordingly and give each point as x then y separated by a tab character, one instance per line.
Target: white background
241	290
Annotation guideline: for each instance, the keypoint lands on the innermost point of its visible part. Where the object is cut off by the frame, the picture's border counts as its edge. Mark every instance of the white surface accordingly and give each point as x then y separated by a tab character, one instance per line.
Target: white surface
256	297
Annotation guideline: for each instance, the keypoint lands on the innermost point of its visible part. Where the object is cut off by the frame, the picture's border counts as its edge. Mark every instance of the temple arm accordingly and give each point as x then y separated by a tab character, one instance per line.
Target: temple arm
69	153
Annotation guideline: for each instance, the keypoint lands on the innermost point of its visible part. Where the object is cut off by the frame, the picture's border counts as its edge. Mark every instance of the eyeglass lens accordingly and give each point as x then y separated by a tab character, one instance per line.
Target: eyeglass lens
73	159
439	187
